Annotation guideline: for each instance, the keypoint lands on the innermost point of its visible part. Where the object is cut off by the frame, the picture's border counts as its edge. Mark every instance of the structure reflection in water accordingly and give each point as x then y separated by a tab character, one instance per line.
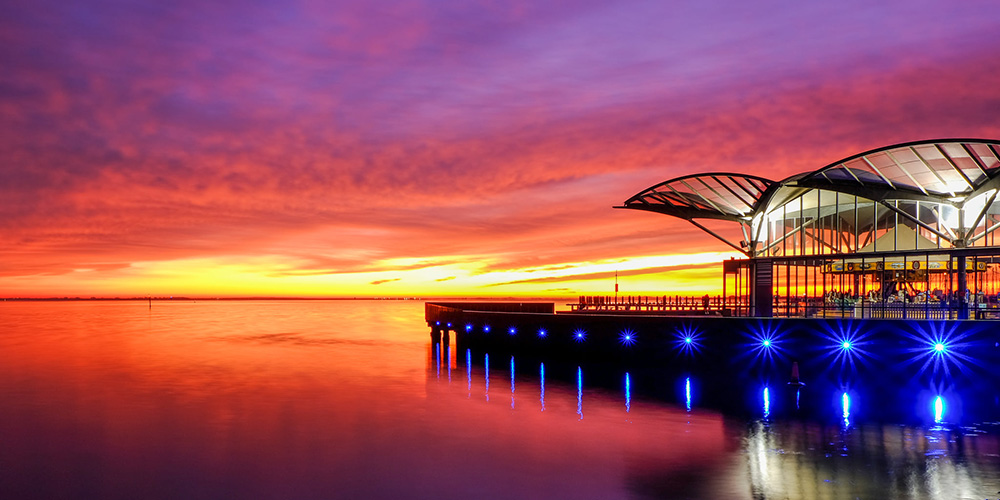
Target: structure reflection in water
486	370
798	456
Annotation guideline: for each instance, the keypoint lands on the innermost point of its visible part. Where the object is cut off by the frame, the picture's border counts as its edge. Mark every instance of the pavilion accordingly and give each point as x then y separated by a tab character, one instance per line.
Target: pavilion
902	231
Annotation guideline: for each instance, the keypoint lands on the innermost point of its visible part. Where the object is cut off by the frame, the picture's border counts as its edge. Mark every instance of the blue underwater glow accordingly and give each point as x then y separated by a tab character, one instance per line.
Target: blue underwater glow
938	409
579	392
486	364
687	340
626	338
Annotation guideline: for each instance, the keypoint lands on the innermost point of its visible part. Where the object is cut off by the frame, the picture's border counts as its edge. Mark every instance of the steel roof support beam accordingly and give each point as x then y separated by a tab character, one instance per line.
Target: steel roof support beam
907	172
915	220
952	163
982	213
720	238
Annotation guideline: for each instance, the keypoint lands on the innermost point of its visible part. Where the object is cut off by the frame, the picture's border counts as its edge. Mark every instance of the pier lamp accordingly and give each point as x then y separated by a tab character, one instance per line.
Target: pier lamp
542	332
512	330
846	345
626	337
939	347
468	328
486	328
579	335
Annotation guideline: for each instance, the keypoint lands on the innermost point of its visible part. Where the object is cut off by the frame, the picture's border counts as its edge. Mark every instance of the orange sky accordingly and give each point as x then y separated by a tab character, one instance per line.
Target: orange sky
441	149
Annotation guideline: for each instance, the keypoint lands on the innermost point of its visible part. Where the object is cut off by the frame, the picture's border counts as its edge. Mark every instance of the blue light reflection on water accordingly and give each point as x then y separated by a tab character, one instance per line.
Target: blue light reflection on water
938	409
687	393
846	407
512	382
579	391
628	393
541	378
486	370
468	369
767	402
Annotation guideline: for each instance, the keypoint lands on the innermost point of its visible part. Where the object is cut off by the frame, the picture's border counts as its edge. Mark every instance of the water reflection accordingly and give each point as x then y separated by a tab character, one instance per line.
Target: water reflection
767	402
846	414
579	391
468	371
292	399
541	377
628	394
512	382
938	409
486	370
687	394
807	460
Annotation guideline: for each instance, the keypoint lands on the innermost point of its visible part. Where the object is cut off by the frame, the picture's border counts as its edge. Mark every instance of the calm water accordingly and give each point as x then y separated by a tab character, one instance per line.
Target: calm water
346	399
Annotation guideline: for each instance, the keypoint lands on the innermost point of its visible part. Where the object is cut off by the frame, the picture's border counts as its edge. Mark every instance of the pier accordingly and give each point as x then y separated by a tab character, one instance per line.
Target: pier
886	262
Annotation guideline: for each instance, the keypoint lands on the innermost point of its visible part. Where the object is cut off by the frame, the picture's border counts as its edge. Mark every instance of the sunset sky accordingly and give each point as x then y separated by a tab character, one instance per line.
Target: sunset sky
438	148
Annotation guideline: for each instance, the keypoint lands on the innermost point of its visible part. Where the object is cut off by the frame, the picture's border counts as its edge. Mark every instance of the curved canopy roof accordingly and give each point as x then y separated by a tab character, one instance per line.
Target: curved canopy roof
945	170
703	195
951	172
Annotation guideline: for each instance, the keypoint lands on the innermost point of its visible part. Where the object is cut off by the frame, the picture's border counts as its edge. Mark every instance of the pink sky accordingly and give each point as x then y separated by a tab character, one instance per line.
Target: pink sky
438	148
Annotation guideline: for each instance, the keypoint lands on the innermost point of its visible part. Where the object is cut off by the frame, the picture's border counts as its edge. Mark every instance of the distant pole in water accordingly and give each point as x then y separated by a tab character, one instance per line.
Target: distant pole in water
795	375
150	302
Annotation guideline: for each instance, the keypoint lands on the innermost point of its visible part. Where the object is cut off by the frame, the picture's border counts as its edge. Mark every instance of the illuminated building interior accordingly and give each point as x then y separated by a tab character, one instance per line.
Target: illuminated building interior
904	231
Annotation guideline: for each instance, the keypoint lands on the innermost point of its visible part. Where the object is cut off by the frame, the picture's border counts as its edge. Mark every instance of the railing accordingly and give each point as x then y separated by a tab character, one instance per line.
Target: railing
658	304
800	307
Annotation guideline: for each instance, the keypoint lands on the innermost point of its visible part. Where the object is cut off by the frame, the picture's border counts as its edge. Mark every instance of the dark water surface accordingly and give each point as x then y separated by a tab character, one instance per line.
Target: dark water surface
349	399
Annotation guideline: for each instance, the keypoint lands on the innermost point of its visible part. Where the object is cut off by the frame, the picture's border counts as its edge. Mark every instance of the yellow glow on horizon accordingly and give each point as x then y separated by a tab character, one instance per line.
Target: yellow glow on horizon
444	276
